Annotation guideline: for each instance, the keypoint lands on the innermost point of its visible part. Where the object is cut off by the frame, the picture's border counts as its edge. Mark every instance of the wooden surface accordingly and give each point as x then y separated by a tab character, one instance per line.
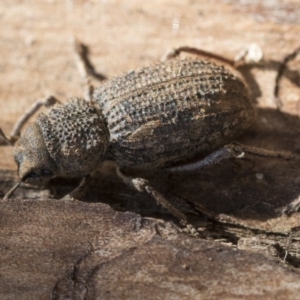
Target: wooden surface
116	243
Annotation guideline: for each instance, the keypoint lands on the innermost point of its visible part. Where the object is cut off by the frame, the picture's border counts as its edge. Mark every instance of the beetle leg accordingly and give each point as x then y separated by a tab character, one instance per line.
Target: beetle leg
143	185
280	72
233	150
5	139
286	155
10	192
14	135
292	208
210	160
85	68
176	52
79	191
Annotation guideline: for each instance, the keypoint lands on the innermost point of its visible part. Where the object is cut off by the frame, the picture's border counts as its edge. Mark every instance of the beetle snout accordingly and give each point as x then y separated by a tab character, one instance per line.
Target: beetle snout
30	169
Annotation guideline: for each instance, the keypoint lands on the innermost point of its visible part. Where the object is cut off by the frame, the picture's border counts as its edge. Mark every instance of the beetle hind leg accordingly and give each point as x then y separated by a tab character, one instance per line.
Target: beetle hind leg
233	150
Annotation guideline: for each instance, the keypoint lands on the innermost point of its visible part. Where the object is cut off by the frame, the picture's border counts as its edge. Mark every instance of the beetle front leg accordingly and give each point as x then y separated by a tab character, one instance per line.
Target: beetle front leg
5	139
15	133
143	185
79	191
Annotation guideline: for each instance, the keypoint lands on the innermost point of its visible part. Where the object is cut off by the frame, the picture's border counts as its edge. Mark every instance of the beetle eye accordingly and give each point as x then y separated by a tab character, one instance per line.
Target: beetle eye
46	172
31	175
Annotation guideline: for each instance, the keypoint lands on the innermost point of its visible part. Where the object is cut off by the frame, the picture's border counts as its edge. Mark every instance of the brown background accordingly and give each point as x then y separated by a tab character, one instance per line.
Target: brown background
87	250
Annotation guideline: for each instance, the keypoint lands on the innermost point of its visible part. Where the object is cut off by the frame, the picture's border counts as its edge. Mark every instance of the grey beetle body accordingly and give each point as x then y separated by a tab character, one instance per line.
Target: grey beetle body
148	118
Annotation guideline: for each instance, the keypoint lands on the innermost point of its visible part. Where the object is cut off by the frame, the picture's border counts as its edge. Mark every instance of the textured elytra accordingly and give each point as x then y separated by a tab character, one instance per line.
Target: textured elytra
75	137
172	111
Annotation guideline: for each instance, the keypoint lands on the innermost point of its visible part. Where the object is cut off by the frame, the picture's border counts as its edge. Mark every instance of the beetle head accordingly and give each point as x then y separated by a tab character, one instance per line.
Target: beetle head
70	141
33	159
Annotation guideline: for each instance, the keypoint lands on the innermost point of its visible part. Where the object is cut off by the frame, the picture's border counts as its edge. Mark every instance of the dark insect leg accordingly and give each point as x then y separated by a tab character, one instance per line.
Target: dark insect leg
14	135
281	69
10	192
233	150
143	185
79	191
5	139
176	52
86	68
292	208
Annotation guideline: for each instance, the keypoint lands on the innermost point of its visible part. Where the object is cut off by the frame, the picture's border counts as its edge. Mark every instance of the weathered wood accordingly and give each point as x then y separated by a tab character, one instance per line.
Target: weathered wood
53	249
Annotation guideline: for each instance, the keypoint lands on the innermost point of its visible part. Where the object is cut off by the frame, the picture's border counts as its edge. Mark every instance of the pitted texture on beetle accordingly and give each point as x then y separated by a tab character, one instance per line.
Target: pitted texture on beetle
75	136
172	111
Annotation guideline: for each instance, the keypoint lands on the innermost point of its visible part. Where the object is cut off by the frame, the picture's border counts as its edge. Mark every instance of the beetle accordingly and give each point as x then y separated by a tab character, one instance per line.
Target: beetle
148	118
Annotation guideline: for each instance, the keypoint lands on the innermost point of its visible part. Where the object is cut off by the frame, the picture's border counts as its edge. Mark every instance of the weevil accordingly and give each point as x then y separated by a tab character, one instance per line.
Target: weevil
149	118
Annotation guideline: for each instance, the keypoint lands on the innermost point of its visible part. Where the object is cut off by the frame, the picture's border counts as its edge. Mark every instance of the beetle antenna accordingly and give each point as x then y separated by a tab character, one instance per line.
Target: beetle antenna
9	193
